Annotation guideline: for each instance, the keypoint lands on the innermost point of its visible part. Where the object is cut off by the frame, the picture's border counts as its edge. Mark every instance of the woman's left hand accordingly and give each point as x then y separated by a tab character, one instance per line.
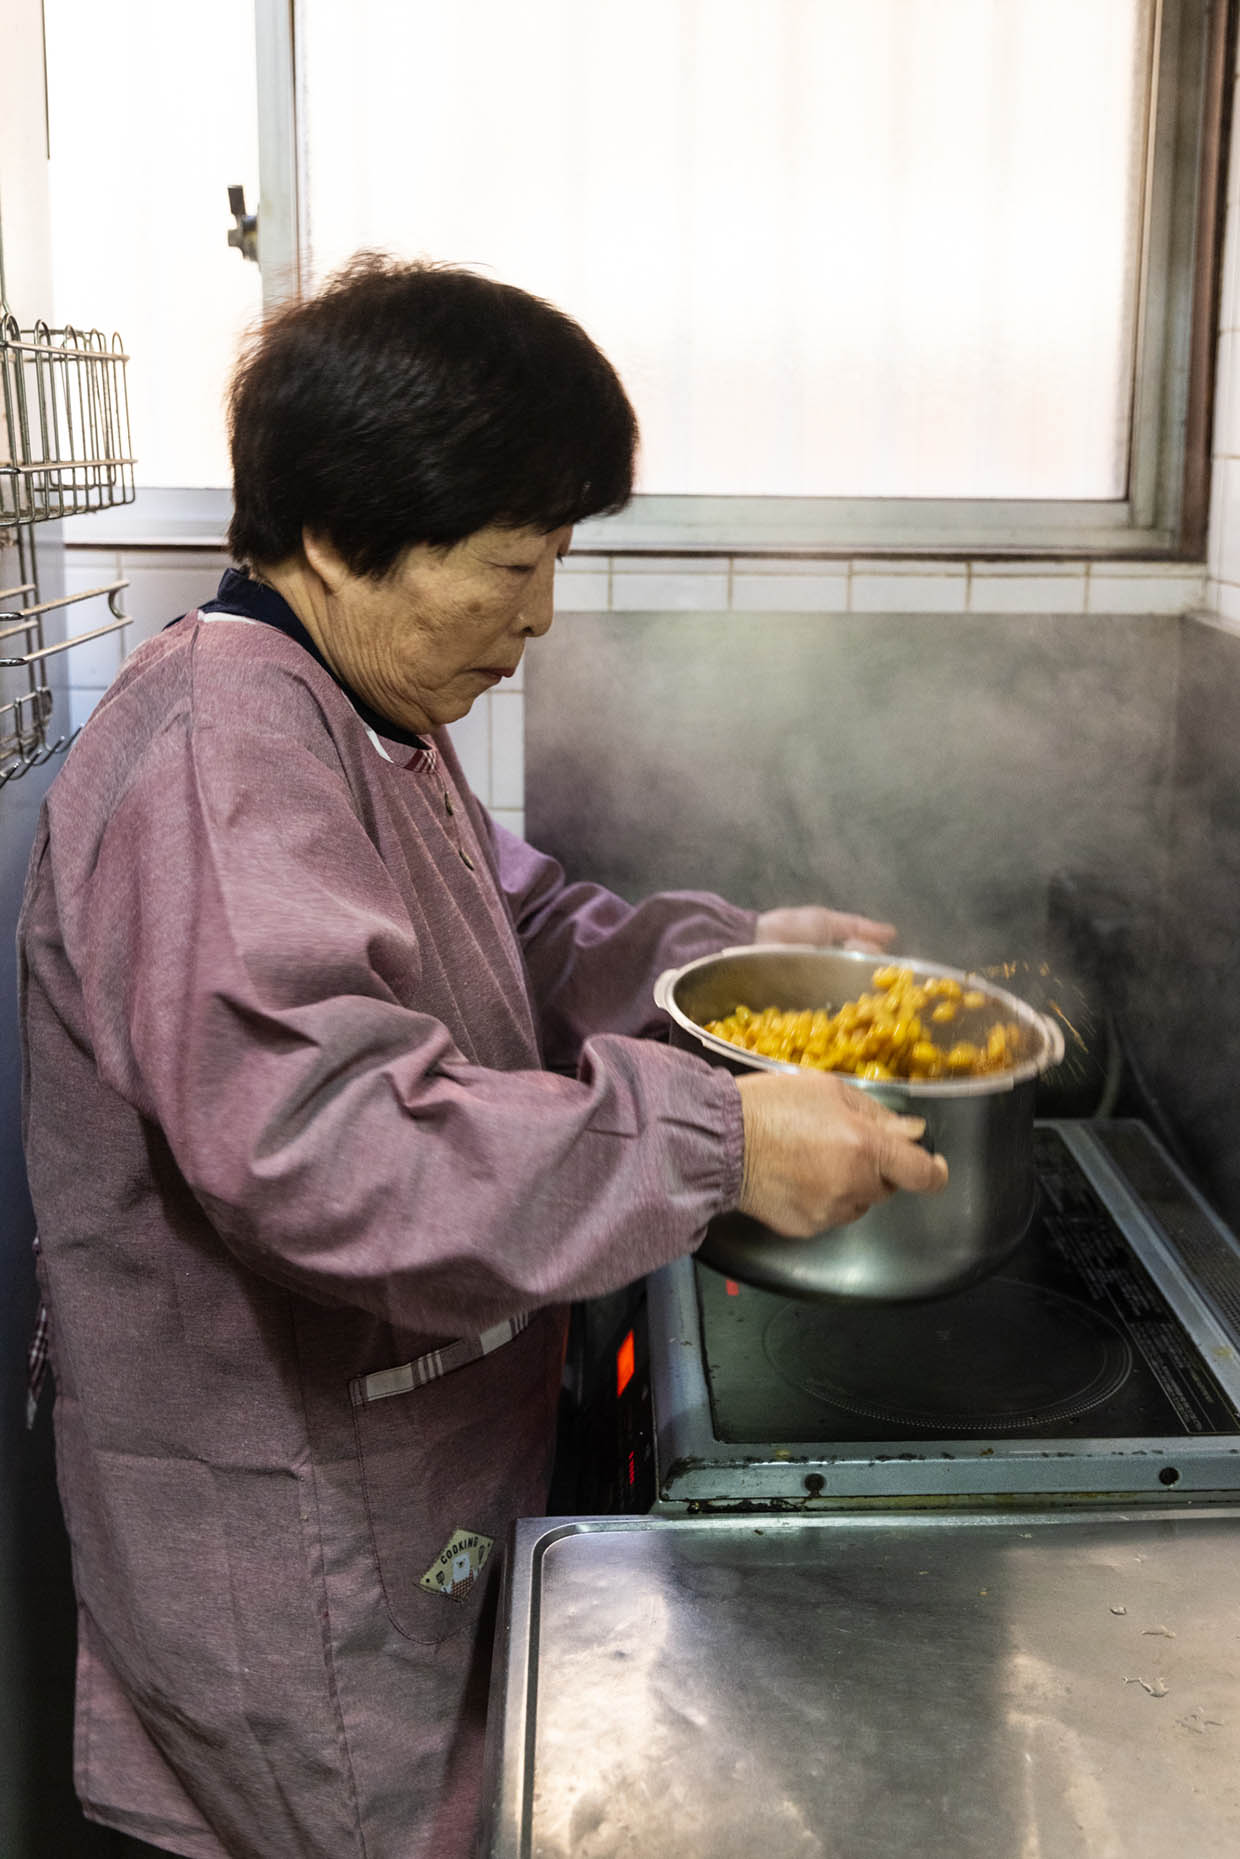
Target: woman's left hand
823	928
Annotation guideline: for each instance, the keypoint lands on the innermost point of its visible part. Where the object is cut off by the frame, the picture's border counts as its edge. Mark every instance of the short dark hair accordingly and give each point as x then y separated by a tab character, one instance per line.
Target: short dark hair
410	403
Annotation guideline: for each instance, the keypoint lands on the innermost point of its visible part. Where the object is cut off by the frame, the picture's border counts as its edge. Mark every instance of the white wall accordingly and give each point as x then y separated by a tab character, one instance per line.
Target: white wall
1223	554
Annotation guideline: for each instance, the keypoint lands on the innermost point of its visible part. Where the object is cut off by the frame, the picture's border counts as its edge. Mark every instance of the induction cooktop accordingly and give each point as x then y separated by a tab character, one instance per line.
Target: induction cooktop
1073	1337
1101	1363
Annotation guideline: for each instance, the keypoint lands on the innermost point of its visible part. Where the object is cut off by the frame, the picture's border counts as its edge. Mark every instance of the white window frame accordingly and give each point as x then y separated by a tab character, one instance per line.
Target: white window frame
1163	515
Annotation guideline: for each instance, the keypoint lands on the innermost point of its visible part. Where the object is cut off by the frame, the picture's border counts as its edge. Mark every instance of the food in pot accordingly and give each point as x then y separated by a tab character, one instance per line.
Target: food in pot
887	1034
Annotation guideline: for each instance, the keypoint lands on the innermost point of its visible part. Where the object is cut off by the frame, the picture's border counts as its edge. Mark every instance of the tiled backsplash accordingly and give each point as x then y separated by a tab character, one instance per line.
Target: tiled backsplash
1223	553
741	584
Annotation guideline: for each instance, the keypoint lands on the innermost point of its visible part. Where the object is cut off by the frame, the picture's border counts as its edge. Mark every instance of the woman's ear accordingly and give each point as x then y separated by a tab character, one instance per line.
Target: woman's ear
323	559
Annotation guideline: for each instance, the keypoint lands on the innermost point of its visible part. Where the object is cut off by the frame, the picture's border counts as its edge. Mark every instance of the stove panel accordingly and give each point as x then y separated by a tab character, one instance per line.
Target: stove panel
1094	1364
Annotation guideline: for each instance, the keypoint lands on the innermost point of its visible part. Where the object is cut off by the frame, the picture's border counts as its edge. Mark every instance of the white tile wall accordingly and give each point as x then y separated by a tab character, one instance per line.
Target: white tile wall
1161	587
909	587
1026	587
583	586
165	584
867	585
162	585
790	587
91	667
669	584
1225	601
507	749
1223	552
471	738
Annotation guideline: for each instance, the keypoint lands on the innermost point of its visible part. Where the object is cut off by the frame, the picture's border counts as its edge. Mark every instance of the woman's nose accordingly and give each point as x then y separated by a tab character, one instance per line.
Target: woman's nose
538	610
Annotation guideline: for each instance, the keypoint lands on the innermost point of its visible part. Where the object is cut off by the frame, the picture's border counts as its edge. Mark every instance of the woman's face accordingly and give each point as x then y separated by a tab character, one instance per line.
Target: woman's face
423	644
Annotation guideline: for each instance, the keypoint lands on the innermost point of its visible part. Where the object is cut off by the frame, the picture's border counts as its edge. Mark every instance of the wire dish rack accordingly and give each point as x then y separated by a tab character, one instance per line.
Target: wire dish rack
65	450
64	424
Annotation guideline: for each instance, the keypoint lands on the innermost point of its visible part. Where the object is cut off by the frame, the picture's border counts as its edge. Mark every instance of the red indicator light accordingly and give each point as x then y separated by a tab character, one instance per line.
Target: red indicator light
626	1361
734	1289
632	1468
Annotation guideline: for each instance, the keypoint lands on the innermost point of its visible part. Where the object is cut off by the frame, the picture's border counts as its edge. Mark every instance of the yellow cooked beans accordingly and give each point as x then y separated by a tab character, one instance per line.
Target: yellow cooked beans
887	1034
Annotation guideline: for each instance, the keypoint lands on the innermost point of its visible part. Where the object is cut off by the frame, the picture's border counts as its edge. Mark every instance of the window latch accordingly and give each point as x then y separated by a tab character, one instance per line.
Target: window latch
244	233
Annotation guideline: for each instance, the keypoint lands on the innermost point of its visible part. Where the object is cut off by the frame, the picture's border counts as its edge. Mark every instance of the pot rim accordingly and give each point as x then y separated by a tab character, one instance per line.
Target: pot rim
984	1084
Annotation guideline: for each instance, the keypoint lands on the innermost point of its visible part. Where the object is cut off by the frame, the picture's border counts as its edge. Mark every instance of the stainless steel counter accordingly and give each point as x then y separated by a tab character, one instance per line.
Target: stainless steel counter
895	1686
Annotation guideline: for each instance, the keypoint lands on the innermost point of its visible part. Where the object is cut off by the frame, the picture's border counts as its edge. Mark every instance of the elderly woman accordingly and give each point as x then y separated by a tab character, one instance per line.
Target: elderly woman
338	1094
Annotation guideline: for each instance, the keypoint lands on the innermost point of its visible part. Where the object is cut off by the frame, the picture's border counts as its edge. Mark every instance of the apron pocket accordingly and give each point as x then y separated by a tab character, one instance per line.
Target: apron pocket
446	1466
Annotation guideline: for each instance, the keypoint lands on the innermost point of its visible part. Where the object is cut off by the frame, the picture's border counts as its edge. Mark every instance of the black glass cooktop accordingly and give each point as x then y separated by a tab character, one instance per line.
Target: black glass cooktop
1072	1339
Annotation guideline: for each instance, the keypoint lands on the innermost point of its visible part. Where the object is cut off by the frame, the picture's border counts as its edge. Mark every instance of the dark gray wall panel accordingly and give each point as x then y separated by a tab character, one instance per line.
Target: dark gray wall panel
1192	1028
936	770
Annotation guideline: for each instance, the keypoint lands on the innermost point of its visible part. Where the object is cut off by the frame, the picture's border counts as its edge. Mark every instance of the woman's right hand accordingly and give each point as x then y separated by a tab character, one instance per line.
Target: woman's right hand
819	1152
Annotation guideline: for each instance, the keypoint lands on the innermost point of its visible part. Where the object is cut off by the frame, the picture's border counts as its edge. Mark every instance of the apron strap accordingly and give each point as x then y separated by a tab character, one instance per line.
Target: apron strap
436	1363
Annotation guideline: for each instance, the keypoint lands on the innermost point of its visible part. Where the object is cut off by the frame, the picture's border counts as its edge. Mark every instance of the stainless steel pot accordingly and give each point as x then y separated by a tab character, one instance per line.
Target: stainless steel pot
912	1245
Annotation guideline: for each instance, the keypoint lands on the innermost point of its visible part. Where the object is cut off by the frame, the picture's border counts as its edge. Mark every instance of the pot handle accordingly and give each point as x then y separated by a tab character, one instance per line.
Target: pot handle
663	989
668	979
1054	1033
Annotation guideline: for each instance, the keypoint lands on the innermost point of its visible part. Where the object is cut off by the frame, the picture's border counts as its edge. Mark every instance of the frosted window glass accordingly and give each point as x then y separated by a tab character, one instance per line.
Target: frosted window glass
835	247
152	116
